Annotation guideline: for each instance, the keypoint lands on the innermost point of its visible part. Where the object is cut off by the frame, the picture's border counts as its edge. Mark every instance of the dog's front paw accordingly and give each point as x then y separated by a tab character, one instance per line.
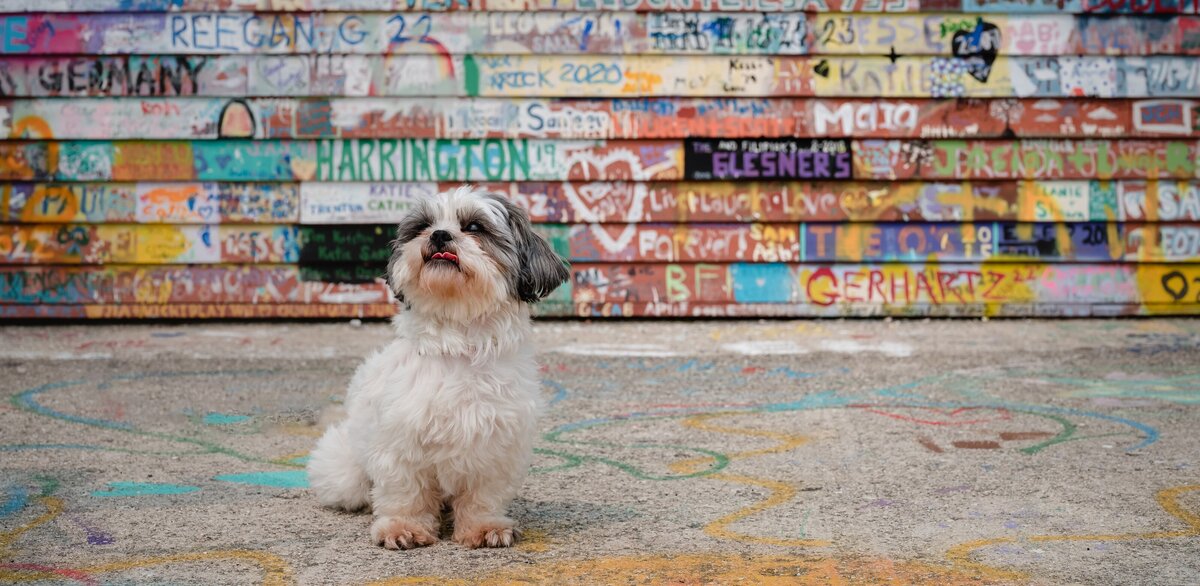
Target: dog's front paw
488	536
399	533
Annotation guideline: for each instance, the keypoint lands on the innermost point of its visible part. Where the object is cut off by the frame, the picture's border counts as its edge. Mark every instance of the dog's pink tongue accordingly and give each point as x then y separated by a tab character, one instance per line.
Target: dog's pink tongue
450	256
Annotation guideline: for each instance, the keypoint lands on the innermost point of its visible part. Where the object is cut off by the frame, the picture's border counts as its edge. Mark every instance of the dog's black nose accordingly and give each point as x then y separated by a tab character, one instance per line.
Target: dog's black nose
440	237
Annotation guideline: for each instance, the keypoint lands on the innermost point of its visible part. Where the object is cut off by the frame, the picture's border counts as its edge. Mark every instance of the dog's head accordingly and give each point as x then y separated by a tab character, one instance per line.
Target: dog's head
466	251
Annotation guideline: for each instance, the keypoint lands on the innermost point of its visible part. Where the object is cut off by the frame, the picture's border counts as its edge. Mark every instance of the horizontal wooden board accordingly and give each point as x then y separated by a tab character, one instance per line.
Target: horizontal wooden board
147	244
150	244
192	311
1158	76
551	160
156	285
898	285
1109	77
929	242
757	201
610	202
358	160
150	203
617	118
609	33
1025	159
1144	7
828	288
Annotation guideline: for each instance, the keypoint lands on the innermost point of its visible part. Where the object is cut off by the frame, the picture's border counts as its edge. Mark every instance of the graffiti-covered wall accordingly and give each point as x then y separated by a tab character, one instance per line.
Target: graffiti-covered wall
247	158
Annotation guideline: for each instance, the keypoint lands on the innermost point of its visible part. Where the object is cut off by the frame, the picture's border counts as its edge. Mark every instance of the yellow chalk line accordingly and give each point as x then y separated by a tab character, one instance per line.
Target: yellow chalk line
781	492
289	459
54	507
277	572
1168	499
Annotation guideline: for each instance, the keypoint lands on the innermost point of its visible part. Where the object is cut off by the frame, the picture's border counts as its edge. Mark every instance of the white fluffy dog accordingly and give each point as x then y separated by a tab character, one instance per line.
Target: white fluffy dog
445	414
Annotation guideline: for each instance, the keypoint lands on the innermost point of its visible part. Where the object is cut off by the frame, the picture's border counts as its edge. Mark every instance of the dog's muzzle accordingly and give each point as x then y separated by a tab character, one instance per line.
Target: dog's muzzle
440	242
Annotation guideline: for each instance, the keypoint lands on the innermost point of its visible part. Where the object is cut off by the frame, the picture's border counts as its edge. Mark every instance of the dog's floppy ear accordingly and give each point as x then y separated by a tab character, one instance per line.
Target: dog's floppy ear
540	269
391	267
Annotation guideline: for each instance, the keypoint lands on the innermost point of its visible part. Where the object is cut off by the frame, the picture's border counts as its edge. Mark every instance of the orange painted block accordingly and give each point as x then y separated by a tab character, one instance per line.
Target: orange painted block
134	161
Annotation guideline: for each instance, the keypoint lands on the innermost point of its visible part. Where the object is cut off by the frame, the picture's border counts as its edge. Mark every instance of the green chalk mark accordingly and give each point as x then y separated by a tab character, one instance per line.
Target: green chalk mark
1066	433
569	461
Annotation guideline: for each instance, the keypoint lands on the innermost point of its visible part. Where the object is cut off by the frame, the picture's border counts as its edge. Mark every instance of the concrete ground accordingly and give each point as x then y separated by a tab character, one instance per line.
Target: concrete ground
858	452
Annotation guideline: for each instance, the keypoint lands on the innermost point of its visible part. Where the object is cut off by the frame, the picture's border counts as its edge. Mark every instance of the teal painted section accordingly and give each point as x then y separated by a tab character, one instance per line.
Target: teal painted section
282	479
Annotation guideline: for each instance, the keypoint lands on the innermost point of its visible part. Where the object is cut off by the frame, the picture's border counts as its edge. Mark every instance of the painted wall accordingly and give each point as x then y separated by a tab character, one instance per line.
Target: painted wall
246	158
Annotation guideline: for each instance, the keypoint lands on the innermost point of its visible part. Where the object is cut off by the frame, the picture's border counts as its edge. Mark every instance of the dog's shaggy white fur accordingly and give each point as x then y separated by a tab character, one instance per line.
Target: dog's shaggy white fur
446	413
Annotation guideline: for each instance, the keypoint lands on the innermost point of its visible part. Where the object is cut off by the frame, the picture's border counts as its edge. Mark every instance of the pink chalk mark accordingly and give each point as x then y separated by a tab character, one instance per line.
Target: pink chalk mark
75	575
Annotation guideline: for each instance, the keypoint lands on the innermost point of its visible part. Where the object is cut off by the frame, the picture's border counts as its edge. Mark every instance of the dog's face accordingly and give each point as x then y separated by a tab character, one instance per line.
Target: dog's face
467	251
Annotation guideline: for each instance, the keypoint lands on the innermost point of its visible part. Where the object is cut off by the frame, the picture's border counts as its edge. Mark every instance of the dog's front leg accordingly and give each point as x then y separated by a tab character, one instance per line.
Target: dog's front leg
479	519
407	508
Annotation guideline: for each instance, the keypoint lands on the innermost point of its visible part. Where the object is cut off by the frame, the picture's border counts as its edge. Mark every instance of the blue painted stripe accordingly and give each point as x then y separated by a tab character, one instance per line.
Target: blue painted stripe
26	401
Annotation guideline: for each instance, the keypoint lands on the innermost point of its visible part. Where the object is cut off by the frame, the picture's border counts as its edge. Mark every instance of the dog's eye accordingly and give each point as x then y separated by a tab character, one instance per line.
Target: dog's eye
473	227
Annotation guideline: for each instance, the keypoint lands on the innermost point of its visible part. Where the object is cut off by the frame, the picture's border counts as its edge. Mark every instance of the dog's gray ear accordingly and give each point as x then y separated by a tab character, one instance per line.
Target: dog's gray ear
391	265
540	269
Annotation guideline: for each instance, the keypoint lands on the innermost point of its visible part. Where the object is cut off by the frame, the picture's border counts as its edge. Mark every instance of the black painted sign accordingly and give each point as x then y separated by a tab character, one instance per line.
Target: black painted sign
783	159
346	244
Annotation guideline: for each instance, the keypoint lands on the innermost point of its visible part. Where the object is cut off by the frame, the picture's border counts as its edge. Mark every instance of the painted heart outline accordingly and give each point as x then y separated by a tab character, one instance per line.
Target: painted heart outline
977	48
